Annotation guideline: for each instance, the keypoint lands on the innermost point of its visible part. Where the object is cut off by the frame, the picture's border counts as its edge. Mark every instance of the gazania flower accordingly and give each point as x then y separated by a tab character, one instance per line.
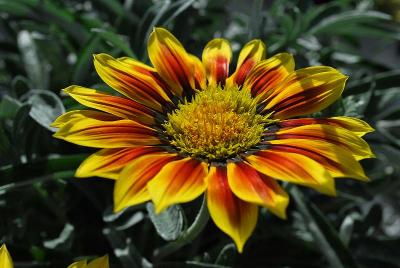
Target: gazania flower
186	126
6	261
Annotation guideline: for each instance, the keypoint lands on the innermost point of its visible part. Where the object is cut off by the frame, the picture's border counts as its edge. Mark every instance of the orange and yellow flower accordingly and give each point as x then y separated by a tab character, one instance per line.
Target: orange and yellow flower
6	261
187	126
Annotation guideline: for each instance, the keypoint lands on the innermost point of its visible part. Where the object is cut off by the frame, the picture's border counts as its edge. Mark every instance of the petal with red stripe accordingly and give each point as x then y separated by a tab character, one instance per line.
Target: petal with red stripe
91	129
131	187
329	133
108	163
268	75
254	187
338	161
216	57
294	168
355	125
133	79
178	182
77	115
305	91
122	107
235	217
172	62
251	54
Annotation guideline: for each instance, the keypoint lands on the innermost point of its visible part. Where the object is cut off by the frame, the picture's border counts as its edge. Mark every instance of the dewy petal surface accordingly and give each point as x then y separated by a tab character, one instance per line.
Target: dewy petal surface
178	182
294	168
305	91
133	79
232	215
5	258
252	53
251	186
131	187
216	57
122	107
172	62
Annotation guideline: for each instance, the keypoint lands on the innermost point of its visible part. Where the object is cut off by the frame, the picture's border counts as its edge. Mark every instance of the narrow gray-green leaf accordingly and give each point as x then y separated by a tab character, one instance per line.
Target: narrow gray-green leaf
325	236
45	107
169	223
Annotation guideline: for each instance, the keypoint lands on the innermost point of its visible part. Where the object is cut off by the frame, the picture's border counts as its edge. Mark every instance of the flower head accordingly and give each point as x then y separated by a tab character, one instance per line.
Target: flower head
185	127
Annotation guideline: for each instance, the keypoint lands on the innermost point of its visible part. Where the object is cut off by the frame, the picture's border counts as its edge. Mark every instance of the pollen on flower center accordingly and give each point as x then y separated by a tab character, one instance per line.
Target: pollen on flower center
218	123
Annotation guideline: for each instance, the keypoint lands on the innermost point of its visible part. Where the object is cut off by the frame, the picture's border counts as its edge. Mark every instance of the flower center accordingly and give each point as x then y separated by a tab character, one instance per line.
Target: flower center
218	123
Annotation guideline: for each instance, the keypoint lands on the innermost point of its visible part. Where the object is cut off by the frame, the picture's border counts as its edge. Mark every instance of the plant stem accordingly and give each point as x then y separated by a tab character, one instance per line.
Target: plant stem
187	236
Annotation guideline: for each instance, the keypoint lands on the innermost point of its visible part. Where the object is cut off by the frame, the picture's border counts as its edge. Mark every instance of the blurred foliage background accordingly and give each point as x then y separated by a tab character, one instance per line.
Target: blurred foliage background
48	218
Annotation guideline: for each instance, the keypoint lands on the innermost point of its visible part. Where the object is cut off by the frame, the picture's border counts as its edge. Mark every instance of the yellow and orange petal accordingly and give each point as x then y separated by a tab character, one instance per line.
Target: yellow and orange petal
305	91
108	163
5	258
216	58
131	187
235	217
254	187
251	54
172	62
178	182
133	79
118	106
100	130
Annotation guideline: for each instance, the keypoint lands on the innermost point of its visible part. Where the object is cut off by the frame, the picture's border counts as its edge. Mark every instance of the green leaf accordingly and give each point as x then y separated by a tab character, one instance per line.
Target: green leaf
227	255
36	69
169	223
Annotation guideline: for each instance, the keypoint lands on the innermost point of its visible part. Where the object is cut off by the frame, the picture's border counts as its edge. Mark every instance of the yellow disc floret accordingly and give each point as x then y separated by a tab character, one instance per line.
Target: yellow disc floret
218	123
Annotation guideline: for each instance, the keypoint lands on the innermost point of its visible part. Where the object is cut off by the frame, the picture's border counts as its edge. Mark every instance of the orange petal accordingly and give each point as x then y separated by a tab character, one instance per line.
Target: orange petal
178	182
118	106
355	125
216	58
293	168
5	258
91	130
269	74
108	163
252	53
251	186
329	133
133	79
305	91
338	161
172	62
131	187
233	216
